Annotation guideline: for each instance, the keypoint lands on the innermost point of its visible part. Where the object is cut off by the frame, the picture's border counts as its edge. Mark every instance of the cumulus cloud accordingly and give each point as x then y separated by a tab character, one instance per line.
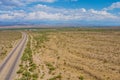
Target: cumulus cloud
5	16
46	1
11	15
113	6
50	1
40	15
5	4
12	2
44	12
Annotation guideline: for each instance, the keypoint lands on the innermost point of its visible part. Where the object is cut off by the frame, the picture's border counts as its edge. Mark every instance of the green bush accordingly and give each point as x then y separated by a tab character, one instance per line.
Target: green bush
35	76
56	77
20	71
81	78
50	67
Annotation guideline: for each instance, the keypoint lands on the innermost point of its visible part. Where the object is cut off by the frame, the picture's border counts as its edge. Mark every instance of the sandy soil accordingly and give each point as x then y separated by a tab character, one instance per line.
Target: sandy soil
8	39
78	55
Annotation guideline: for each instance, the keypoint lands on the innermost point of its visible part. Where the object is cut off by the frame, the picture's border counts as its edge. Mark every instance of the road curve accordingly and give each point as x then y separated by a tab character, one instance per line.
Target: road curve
9	66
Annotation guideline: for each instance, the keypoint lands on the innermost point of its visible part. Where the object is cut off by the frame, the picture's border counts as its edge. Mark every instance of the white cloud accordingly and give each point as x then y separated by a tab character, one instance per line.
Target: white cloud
44	12
30	1
40	15
12	2
7	4
5	16
50	1
113	6
100	15
11	15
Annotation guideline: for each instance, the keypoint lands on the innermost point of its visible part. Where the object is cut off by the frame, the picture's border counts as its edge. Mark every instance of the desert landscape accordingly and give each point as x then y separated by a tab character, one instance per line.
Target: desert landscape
74	54
8	40
59	39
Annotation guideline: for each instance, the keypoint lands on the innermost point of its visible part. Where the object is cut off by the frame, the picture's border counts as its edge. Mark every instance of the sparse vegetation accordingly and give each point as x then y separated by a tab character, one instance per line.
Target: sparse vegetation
50	67
40	39
8	39
27	70
81	78
74	54
56	77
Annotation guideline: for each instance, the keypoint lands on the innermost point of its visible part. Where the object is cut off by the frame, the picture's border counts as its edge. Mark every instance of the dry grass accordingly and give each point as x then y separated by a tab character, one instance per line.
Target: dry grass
7	40
77	55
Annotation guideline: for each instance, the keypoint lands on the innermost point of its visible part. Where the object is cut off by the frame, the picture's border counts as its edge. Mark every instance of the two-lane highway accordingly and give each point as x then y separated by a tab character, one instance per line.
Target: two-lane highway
9	66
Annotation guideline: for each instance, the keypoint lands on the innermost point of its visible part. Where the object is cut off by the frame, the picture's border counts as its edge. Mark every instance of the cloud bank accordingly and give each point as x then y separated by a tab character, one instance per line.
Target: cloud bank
19	10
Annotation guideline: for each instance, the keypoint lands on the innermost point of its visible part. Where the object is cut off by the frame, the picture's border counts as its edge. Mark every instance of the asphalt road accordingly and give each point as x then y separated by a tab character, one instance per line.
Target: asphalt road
9	66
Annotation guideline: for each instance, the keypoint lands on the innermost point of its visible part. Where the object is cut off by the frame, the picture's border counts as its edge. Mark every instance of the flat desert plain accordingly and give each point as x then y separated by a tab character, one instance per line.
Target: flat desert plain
8	39
75	54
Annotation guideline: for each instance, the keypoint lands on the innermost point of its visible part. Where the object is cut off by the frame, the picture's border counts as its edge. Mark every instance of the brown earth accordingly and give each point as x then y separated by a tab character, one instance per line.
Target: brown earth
7	41
77	55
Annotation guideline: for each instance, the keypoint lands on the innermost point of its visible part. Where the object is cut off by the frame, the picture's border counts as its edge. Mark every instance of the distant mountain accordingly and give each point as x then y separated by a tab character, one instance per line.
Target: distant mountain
55	24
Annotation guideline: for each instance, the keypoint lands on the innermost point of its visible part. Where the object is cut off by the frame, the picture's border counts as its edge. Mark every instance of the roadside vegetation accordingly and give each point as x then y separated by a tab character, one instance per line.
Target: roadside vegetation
8	39
27	68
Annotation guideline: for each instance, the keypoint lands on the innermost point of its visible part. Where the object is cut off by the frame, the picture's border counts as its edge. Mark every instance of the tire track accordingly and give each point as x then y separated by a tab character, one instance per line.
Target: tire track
8	67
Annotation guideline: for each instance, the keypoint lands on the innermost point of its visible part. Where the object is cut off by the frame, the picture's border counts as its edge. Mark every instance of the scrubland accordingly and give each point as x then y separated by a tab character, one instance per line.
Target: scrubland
72	55
7	41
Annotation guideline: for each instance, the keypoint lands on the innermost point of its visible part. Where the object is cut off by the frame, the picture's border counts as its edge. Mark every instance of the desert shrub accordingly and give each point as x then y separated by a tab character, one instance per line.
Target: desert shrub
50	67
81	78
56	77
42	76
35	76
20	71
27	74
32	67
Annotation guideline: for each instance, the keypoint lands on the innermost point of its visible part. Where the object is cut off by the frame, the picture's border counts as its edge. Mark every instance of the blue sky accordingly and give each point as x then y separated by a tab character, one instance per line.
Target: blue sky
76	12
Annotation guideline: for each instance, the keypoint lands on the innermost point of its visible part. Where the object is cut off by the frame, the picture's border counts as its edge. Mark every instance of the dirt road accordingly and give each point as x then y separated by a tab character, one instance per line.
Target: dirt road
9	65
